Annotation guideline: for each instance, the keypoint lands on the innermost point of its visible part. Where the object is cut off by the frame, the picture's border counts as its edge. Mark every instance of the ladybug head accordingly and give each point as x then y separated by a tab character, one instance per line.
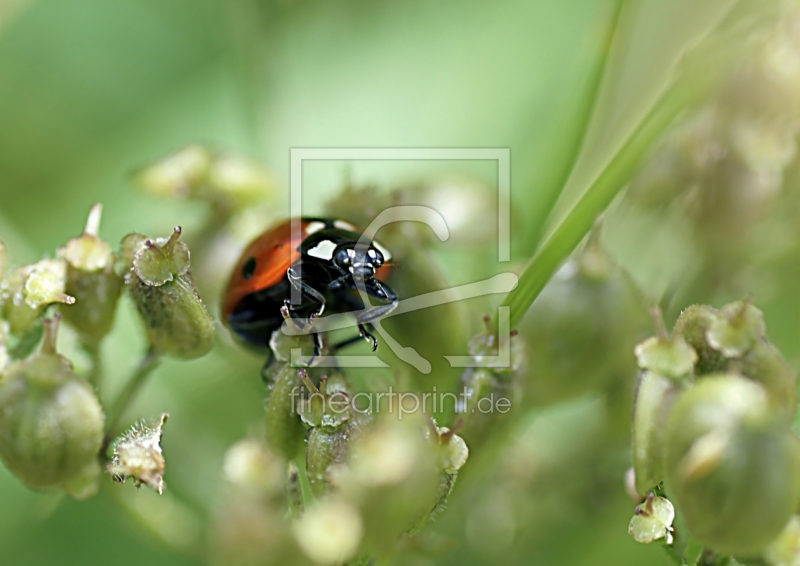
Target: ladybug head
361	261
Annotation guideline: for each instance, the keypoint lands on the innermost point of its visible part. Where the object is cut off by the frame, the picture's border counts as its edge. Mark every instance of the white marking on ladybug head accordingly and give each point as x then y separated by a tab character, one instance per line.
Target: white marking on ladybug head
314	227
323	250
343	225
387	255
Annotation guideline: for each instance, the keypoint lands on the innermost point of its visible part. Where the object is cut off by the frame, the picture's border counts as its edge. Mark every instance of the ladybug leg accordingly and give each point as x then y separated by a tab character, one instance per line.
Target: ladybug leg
307	291
368	336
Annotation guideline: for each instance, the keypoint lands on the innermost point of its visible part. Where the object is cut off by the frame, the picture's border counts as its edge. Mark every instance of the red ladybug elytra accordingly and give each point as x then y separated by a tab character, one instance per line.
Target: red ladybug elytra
332	265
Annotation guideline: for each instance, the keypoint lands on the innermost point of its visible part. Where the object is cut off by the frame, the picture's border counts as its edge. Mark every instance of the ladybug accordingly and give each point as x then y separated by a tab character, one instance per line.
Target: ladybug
324	264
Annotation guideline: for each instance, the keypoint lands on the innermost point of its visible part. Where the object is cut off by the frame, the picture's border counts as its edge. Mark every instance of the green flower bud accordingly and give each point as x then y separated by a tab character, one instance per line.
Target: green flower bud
452	455
489	393
179	175
28	291
738	328
91	279
251	527
138	455
239	182
732	472
328	411
652	520
284	429
51	423
330	531
250	467
175	318
765	364
227	182
669	356
581	328
394	477
693	325
655	396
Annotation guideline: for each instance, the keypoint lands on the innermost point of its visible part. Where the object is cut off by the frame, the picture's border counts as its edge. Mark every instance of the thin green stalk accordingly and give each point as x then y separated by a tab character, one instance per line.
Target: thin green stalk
681	94
146	366
583	118
95	373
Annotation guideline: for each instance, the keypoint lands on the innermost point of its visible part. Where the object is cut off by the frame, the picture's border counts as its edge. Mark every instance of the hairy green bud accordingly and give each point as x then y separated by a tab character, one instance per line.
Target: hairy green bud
51	423
175	318
334	426
284	429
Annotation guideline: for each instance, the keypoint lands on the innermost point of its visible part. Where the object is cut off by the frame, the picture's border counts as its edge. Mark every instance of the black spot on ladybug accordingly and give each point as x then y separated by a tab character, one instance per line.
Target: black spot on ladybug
249	268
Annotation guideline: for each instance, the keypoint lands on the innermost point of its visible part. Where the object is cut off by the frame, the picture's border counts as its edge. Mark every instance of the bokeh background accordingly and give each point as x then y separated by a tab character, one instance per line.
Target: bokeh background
91	90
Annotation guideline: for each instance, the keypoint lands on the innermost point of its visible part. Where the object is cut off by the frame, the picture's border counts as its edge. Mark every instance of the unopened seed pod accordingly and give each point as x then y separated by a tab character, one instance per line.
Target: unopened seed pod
284	429
51	423
92	280
655	396
175	318
765	364
732	469
581	329
488	394
334	427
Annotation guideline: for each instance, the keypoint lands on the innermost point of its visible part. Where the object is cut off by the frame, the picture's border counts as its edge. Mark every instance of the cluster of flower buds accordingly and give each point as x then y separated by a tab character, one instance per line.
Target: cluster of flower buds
199	173
369	477
729	168
52	426
712	431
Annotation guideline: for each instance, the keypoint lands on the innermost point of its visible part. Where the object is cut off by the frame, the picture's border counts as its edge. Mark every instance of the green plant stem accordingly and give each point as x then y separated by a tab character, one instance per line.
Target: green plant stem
146	366
95	373
579	127
681	94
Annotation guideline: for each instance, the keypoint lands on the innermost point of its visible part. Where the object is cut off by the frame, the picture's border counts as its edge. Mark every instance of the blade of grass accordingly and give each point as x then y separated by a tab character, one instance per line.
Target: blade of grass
688	88
577	129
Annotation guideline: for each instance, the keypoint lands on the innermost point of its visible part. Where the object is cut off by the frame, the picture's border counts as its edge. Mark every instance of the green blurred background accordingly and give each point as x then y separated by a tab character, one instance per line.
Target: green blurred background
91	89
